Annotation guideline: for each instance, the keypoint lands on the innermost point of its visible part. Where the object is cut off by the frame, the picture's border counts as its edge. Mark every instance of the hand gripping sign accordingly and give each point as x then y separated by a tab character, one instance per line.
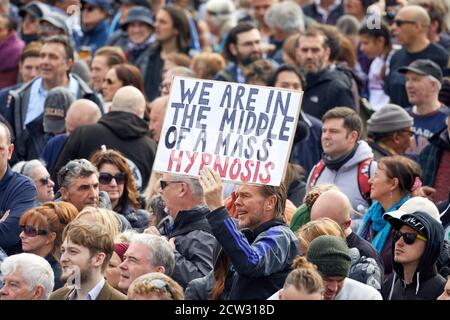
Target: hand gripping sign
244	132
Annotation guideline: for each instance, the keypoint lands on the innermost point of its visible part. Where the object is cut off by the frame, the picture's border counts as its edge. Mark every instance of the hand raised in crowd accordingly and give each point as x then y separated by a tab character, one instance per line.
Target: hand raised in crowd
212	188
426	192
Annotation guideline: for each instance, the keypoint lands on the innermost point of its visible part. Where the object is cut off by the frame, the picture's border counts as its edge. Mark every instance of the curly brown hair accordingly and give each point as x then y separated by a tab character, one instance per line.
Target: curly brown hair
116	158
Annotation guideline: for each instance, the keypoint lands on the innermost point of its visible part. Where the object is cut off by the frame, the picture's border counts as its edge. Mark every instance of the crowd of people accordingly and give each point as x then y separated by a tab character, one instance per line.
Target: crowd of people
362	213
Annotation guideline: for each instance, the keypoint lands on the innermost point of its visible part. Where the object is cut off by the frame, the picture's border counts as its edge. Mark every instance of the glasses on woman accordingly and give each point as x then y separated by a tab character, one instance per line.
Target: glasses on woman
408	237
106	178
31	231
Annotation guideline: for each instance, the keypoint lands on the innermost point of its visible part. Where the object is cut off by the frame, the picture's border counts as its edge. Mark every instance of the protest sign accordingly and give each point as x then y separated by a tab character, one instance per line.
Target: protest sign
244	132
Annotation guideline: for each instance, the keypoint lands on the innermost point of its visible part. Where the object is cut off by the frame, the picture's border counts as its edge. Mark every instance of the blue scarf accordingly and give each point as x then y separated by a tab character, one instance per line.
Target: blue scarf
378	224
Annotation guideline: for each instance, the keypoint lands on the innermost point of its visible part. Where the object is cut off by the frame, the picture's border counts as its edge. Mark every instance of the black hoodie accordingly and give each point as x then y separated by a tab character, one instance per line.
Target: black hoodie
122	131
427	284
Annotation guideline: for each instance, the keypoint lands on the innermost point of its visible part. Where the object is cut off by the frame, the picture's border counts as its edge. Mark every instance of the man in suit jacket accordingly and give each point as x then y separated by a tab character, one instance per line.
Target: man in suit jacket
85	254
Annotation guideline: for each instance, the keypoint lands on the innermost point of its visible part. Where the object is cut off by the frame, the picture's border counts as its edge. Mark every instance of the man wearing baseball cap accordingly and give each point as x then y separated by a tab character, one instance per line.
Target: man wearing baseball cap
423	82
418	240
390	131
331	255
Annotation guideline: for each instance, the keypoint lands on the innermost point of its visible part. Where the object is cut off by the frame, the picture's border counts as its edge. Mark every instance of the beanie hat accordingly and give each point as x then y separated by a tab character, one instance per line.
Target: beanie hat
120	248
331	255
388	119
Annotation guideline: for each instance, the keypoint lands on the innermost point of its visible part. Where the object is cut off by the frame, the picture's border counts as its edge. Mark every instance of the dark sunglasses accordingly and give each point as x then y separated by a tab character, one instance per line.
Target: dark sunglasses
164	183
106	178
399	22
109	81
408	237
44	181
32	231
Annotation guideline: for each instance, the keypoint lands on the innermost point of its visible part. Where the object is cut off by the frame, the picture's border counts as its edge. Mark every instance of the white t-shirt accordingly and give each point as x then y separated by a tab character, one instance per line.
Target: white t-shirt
351	290
354	290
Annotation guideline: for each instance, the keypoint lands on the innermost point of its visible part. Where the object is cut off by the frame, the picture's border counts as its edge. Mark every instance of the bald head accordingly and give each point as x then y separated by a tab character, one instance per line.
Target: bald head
335	205
129	99
417	13
82	112
157	112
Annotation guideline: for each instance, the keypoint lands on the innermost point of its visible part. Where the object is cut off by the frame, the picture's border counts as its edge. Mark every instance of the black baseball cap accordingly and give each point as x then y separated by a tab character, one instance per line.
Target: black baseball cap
424	67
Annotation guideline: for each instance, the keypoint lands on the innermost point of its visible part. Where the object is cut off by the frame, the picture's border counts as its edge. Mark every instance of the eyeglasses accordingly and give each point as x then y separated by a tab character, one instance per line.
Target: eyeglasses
408	237
74	167
31	231
399	22
109	81
164	183
44	181
409	132
106	178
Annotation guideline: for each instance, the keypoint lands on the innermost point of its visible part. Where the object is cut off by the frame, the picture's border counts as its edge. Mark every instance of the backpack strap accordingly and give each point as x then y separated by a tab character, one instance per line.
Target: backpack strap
316	172
363	177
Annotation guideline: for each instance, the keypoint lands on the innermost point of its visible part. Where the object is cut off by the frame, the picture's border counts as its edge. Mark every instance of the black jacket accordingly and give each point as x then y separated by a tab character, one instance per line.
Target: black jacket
29	144
122	131
427	283
194	245
324	91
261	258
20	98
312	11
151	65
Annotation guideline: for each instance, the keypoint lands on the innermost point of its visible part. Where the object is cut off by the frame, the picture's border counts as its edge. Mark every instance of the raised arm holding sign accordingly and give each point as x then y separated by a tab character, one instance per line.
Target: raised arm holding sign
243	132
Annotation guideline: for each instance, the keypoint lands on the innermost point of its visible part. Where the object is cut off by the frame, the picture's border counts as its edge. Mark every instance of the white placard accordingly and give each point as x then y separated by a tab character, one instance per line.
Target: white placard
244	132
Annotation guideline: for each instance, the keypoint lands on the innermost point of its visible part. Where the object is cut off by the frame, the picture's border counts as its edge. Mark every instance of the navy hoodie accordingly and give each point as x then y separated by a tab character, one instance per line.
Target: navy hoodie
427	284
17	194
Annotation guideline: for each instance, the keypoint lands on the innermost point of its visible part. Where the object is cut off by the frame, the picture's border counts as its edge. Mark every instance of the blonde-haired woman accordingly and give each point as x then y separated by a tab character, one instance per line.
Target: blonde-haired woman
155	286
304	282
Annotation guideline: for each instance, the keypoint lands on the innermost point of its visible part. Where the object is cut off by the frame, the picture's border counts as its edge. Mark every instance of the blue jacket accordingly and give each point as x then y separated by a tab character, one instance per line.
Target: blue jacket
17	194
96	37
261	258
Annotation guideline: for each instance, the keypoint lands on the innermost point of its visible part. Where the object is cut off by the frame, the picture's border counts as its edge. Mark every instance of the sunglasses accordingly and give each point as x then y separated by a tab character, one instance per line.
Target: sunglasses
164	183
160	284
106	178
408	237
32	231
73	168
399	22
44	181
109	81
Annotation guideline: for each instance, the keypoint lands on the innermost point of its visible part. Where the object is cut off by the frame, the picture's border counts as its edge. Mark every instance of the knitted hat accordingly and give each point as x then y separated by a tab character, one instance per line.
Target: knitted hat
388	119
56	105
331	255
120	248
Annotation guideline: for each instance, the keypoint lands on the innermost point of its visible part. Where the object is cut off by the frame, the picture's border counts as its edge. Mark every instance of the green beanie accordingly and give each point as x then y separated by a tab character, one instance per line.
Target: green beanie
331	256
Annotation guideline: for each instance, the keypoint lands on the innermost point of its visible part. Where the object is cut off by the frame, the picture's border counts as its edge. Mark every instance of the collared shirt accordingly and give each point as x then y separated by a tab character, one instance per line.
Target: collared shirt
92	295
37	98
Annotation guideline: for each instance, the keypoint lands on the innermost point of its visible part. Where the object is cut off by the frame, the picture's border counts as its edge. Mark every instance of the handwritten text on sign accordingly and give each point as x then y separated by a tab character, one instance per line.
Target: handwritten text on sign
243	132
